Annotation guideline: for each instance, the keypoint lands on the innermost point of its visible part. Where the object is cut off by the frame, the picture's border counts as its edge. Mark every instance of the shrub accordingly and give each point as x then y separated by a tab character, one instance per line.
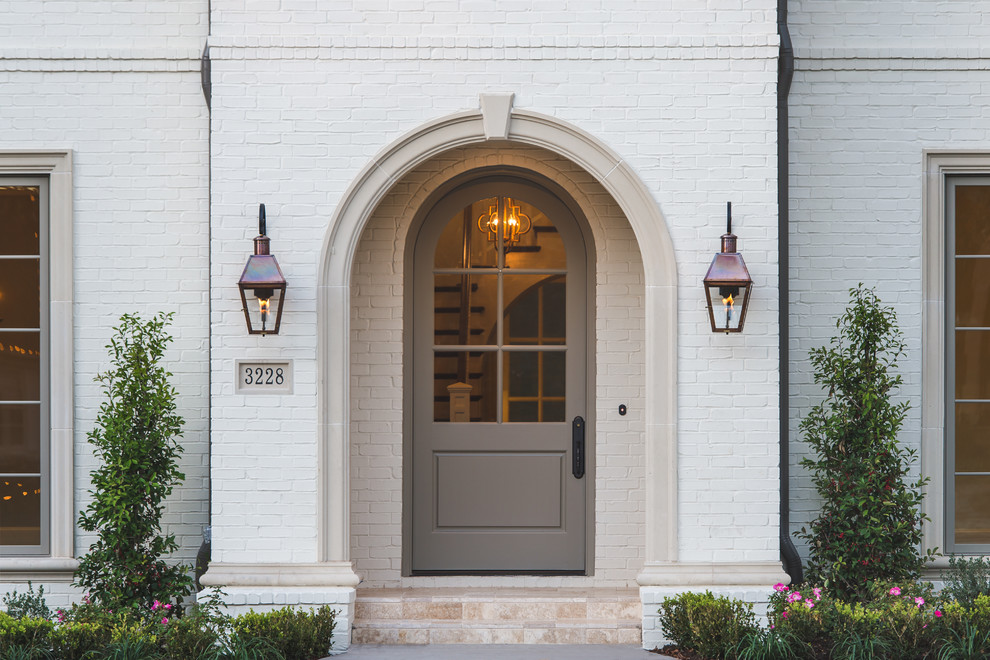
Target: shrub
77	640
199	635
297	635
869	527
967	579
705	623
135	438
29	604
25	633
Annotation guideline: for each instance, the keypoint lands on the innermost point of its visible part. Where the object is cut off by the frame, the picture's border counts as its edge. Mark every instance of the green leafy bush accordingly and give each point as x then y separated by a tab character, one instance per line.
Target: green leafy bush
297	635
136	439
869	527
78	640
24	632
707	624
967	579
30	604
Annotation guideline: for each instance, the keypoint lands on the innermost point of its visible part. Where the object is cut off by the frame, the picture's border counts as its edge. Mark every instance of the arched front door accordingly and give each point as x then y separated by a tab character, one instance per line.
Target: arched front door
499	367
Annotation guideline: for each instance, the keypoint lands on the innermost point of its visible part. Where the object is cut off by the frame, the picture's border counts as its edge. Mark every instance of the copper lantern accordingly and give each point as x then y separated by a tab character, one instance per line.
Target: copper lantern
728	284
263	279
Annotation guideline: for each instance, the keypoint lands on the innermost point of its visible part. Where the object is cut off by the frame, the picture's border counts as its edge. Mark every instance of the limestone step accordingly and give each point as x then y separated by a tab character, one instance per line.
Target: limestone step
497	616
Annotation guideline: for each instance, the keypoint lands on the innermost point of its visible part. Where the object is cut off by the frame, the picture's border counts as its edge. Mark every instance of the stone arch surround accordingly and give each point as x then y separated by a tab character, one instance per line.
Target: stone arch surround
334	291
377	319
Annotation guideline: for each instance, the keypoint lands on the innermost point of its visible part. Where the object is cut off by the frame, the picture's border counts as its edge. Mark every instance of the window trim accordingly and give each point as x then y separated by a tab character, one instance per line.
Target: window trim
938	166
57	167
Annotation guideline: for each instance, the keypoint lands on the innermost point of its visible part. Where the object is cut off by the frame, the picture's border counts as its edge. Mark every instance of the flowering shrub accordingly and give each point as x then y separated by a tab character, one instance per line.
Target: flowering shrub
135	437
869	527
88	632
902	621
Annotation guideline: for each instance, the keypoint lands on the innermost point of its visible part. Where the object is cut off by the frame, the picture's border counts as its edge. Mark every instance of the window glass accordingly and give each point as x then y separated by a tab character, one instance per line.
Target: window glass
968	390
23	339
499	281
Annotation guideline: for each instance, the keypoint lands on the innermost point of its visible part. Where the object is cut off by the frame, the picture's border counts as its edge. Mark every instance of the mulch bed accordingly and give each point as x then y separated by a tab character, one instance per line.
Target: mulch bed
679	653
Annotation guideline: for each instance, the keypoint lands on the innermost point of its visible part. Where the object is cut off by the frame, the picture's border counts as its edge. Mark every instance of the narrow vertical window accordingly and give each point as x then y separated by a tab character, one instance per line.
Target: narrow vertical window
968	364
24	415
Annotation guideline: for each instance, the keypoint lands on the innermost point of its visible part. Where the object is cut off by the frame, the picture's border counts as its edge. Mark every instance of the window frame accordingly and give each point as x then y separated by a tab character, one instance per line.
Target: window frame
936	451
57	561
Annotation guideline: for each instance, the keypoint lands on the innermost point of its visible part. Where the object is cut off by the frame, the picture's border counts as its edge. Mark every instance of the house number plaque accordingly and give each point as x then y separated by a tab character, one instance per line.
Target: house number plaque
264	377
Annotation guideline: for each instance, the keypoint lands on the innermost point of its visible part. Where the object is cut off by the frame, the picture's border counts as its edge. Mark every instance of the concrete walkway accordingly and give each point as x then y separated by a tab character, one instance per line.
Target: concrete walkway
499	652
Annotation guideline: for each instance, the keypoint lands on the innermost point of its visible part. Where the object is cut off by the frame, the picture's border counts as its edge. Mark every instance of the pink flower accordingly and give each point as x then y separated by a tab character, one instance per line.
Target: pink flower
164	621
783	615
155	605
938	613
919	601
780	586
168	606
817	592
793	596
895	591
61	615
809	604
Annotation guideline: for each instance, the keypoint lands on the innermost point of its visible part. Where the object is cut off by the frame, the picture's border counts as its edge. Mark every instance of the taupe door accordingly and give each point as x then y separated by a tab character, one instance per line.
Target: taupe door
499	367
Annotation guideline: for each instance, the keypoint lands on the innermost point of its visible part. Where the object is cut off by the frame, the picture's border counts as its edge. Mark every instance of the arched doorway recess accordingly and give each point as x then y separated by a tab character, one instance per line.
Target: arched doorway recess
333	301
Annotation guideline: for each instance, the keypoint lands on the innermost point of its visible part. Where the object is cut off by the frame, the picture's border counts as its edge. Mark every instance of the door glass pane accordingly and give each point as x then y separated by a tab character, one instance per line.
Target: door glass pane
20	366
973	292
972	362
465	388
973	437
20	291
972	512
534	384
540	246
462	244
19	209
535	309
464	309
20	510
972	211
20	428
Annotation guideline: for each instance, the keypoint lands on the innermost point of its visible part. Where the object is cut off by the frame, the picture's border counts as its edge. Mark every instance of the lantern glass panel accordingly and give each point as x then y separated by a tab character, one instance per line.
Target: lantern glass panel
727	304
263	317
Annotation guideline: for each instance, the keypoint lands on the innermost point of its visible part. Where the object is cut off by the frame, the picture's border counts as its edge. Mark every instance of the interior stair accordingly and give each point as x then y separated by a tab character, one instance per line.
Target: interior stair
497	616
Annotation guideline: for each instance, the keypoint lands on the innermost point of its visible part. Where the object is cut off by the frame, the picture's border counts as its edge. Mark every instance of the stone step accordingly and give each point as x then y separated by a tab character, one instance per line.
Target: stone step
497	616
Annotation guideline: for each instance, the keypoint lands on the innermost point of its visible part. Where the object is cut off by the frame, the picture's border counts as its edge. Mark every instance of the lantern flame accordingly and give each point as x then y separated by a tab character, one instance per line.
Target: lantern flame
264	304
728	303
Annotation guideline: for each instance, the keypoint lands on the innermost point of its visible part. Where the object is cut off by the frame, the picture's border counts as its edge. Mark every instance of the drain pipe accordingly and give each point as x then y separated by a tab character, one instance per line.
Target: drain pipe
204	554
785	73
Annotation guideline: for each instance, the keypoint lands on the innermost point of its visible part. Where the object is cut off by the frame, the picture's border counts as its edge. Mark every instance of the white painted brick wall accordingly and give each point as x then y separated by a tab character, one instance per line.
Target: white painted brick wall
525	20
858	127
295	120
60	23
376	368
138	131
943	24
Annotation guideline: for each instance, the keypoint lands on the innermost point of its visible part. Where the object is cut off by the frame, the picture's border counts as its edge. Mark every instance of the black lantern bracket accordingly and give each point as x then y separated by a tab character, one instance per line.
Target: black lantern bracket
728	284
263	278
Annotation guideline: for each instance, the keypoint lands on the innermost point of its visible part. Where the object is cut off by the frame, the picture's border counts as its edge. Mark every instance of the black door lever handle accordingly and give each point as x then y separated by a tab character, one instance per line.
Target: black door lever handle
577	447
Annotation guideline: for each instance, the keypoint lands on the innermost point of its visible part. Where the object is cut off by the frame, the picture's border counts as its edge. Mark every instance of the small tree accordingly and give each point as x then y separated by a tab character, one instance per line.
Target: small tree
869	527
135	437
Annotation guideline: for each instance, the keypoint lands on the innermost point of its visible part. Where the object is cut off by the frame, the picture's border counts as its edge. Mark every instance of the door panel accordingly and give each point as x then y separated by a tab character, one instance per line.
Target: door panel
499	368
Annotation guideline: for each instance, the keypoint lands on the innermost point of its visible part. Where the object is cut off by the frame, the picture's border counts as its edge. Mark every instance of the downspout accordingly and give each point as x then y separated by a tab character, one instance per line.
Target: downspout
204	554
785	73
